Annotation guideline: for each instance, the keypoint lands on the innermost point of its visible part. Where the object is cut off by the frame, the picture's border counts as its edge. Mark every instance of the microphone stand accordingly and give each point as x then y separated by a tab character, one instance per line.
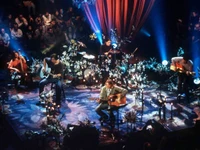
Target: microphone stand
142	105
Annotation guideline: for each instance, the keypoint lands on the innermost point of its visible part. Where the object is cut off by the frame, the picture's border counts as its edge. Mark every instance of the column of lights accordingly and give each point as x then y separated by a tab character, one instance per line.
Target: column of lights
171	111
51	110
92	75
164	108
142	103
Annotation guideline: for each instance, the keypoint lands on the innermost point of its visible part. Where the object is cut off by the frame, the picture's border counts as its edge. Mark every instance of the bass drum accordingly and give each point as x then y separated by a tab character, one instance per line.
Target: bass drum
89	73
91	76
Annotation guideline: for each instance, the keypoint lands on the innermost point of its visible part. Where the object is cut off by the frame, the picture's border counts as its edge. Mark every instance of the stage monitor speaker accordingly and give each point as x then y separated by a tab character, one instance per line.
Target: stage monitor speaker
151	135
154	128
81	137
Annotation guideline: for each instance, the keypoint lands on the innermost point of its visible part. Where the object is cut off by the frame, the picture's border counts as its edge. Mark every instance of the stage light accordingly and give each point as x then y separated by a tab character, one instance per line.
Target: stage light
145	32
99	36
196	61
159	29
91	15
164	62
196	81
149	127
180	52
114	45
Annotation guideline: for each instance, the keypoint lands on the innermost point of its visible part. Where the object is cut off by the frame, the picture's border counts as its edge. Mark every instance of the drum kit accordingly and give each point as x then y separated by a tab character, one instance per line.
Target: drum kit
82	68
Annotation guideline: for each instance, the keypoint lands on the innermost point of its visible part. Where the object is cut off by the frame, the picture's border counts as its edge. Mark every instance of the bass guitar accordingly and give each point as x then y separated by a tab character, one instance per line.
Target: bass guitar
113	100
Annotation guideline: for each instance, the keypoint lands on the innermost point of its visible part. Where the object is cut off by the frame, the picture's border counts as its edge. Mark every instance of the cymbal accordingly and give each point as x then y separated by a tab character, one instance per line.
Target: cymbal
133	60
82	53
197	81
87	56
64	46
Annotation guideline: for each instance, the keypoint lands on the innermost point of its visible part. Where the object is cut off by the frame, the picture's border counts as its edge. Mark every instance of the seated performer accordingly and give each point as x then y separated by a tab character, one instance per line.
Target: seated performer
183	65
106	47
55	76
108	92
17	67
110	51
104	51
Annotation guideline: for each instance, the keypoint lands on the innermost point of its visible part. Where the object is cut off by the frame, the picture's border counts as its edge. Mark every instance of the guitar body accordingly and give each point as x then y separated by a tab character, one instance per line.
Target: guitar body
117	100
46	73
179	68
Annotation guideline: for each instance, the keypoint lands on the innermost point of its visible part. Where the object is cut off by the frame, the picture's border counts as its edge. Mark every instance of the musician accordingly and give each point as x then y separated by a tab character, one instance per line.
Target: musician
4	45
110	51
56	75
107	93
17	66
106	47
104	51
184	66
15	63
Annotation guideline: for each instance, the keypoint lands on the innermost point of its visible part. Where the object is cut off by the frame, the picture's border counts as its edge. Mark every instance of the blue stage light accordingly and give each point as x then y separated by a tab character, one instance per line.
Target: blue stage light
114	45
99	36
159	29
196	81
164	62
195	58
15	45
145	32
91	15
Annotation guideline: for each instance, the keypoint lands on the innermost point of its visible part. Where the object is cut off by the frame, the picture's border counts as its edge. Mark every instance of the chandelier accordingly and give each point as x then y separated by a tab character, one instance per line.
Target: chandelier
78	3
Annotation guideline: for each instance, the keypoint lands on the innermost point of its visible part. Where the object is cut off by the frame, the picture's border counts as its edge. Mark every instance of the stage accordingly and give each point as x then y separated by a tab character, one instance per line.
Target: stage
27	119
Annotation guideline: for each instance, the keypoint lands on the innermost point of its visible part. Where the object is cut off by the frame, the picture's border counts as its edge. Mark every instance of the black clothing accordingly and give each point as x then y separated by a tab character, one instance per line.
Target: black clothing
104	48
55	69
184	84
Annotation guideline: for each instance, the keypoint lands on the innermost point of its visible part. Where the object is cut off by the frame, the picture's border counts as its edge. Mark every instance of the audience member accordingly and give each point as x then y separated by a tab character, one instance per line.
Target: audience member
30	5
21	21
16	33
5	38
38	30
47	19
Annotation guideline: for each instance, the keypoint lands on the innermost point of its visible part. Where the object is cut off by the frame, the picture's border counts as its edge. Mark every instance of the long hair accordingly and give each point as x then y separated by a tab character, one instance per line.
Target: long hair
13	54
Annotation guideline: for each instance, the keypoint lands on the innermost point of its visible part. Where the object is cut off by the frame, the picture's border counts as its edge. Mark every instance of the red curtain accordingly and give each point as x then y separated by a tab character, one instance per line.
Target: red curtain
122	15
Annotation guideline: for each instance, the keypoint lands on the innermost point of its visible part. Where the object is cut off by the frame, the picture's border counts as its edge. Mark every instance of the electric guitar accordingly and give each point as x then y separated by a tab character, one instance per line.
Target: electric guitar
179	68
113	100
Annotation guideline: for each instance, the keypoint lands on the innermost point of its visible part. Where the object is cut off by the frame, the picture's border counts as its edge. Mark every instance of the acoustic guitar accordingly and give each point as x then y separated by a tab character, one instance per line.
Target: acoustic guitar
45	73
177	67
113	100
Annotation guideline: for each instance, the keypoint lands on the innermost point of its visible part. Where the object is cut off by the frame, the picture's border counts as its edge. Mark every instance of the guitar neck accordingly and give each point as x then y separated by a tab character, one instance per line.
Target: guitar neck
185	71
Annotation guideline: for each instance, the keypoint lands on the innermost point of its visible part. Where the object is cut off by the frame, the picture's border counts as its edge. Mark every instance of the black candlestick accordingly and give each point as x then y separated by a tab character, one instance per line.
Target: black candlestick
171	111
